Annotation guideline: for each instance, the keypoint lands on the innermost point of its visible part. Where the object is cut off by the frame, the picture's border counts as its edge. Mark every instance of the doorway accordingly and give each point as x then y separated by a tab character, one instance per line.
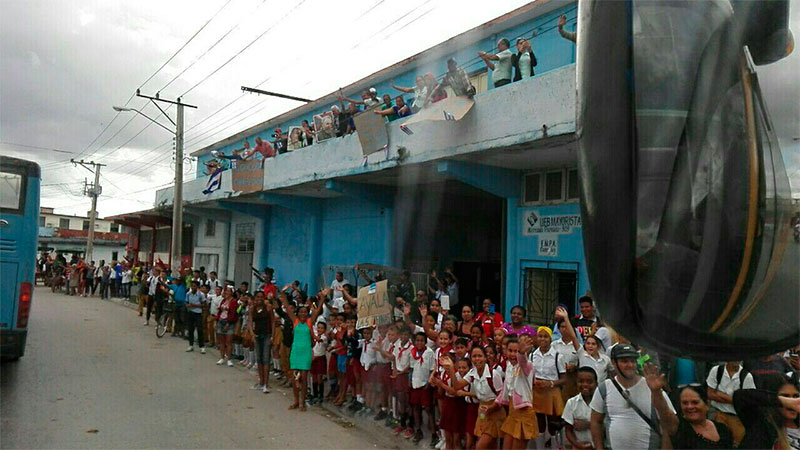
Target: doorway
544	289
245	246
477	281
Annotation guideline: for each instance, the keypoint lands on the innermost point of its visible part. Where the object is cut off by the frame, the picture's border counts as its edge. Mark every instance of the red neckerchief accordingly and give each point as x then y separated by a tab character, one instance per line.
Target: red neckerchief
404	348
417	354
391	347
503	361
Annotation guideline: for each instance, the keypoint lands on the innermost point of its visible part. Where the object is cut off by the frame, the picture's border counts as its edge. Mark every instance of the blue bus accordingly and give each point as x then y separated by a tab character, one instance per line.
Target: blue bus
19	212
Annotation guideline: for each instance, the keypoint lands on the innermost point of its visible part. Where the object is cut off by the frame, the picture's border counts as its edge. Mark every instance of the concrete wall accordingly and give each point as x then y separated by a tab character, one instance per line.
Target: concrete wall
75	223
494	122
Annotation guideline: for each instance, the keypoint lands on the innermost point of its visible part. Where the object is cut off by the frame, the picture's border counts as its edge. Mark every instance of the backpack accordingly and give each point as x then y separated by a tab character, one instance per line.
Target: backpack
720	368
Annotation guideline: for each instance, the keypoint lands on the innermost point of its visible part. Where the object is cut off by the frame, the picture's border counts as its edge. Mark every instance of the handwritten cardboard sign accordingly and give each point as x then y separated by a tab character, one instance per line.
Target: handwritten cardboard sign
373	305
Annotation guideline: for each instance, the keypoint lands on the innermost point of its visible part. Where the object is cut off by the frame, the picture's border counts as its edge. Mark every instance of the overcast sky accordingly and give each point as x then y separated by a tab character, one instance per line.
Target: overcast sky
63	64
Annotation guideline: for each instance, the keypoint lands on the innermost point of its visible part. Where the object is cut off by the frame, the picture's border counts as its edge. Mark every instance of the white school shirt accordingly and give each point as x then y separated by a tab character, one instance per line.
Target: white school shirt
402	356
421	368
214	301
600	365
727	385
212	284
321	346
389	348
625	428
479	383
153	285
577	408
126	276
565	351
545	364
368	353
338	284
517	382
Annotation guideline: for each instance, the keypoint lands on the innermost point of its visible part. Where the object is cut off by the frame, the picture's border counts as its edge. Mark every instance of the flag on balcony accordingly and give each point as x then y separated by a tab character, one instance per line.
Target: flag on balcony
214	181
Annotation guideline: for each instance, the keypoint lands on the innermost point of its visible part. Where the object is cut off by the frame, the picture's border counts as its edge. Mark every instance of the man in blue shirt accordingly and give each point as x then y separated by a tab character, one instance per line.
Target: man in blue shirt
194	316
178	288
118	279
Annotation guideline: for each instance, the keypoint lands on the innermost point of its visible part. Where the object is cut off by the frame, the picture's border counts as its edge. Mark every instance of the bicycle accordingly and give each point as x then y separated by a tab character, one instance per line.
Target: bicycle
166	314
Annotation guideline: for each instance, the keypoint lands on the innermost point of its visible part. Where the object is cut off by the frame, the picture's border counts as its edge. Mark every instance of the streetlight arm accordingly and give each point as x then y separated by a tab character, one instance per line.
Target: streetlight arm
121	109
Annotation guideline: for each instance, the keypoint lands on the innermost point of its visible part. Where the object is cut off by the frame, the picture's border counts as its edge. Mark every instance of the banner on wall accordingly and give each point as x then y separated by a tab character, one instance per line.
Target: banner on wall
372	133
248	176
373	305
535	223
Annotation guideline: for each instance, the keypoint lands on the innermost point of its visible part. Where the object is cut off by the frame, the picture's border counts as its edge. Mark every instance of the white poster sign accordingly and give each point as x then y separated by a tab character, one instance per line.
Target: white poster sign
444	300
535	223
548	245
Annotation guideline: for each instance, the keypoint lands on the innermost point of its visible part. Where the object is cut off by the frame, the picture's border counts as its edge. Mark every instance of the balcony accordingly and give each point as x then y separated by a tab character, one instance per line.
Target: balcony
63	234
519	114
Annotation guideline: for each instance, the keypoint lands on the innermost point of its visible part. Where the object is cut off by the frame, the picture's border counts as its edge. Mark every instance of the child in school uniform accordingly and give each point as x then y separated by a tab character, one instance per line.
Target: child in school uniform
319	363
520	425
387	347
484	383
379	371
401	360
368	357
421	366
550	376
577	413
451	420
469	405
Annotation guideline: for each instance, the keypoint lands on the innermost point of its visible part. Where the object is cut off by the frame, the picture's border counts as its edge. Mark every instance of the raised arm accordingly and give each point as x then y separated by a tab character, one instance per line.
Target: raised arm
285	302
562	314
384	112
343	98
656	382
402	89
318	309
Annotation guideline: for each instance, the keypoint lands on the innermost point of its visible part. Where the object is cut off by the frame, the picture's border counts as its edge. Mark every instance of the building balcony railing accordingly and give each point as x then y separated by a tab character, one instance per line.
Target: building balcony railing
516	114
51	232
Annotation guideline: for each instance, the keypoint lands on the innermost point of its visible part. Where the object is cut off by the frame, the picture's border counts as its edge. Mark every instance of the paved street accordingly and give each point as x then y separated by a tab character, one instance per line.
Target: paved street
91	365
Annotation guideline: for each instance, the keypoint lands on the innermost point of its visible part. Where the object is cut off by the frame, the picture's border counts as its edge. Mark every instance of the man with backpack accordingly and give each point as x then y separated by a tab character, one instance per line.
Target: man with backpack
723	380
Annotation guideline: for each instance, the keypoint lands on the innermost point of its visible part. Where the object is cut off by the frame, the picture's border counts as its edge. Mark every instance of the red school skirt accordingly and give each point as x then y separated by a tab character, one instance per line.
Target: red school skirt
420	397
318	365
452	414
470	418
332	364
355	371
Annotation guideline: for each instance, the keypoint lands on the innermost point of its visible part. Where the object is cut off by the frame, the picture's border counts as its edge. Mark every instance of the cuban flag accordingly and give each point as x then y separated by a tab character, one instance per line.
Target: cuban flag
214	181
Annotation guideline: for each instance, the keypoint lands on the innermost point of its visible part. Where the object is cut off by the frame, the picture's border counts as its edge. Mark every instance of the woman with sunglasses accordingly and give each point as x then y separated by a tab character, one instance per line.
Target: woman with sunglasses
770	414
695	430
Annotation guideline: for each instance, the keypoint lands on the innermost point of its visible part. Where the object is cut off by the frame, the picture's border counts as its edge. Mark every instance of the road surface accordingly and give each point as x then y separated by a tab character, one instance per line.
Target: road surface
94	377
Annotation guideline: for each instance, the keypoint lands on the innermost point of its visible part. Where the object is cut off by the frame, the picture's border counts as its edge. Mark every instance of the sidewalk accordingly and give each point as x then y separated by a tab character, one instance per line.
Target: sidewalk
376	431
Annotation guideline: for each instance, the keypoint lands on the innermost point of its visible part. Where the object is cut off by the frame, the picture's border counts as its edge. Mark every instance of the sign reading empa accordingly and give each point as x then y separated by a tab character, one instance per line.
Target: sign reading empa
535	223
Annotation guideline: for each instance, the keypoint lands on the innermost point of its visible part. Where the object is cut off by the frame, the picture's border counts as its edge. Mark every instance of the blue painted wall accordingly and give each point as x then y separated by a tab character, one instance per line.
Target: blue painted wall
289	249
354	232
522	251
552	51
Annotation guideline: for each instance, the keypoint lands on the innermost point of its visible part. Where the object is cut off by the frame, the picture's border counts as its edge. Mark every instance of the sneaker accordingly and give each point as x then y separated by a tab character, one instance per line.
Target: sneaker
381	415
230	363
265	389
146	323
221	361
203	350
417	437
441	444
434	440
397	430
409	433
353	407
256	387
190	349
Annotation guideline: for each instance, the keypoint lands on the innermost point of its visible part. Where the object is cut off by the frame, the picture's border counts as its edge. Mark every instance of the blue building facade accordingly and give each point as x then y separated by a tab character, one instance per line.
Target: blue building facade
493	195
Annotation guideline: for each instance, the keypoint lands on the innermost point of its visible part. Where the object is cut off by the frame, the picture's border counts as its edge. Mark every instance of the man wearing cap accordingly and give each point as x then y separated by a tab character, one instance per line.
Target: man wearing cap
637	406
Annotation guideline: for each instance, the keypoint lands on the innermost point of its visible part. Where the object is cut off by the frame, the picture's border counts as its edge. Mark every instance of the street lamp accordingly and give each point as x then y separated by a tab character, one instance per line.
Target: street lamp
177	200
124	109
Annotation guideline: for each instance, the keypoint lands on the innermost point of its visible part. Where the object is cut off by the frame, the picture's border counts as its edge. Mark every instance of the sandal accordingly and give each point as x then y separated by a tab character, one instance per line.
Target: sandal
294	406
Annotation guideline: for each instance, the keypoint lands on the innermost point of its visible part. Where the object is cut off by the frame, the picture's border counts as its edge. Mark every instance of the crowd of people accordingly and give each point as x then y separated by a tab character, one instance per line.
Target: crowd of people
469	378
82	278
505	65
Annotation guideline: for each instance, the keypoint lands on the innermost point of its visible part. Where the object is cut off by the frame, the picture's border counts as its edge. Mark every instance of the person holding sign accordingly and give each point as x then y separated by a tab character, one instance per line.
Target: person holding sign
300	356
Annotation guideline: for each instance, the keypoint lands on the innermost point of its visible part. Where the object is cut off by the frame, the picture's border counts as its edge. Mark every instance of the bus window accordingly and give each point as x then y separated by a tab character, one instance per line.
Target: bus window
10	191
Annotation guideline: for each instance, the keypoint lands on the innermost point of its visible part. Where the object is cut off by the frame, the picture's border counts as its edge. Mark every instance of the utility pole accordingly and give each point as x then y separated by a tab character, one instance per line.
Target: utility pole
177	200
93	191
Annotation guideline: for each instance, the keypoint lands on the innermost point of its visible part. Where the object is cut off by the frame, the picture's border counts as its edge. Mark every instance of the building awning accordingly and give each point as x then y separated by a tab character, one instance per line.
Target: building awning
150	218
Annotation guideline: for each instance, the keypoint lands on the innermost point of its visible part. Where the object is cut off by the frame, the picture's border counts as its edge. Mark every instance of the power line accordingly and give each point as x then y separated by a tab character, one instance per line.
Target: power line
185	43
238	23
150	78
245	47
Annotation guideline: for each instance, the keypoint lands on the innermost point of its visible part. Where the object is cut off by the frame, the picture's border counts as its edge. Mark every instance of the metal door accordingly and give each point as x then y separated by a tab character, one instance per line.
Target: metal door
245	245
